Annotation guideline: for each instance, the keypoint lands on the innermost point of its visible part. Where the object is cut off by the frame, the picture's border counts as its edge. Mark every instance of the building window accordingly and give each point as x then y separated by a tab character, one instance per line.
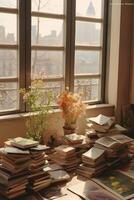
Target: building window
62	39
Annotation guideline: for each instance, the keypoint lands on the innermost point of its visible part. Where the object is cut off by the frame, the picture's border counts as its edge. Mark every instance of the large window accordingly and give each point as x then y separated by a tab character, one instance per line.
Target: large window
61	39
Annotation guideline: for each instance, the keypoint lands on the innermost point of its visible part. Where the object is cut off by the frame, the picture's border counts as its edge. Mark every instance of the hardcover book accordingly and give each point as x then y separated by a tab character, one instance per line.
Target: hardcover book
107	142
94	153
23	143
75	138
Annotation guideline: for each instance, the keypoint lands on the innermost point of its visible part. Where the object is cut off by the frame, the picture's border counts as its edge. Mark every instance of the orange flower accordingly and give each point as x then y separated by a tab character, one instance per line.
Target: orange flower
71	105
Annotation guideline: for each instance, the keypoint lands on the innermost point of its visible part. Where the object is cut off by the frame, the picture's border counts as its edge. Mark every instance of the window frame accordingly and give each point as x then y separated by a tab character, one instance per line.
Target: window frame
24	46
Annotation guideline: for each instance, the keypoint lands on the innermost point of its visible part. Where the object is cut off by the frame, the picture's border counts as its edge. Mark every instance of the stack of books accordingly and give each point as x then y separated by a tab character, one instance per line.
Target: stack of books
81	143
38	178
93	163
116	148
14	171
66	156
104	126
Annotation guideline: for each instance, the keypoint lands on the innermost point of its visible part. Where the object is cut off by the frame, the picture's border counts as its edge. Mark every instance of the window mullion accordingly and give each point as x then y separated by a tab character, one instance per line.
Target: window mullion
70	44
28	43
104	50
22	57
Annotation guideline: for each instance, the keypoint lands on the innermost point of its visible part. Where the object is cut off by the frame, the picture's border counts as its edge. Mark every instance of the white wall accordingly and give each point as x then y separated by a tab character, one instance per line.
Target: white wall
113	58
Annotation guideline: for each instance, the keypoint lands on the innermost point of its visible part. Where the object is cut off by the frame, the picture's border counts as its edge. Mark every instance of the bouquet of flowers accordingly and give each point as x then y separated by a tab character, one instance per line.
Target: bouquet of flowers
72	107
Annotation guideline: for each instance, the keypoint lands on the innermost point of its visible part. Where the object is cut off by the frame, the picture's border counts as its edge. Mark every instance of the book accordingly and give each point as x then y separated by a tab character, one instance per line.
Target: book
40	148
97	127
65	149
121	138
75	138
23	143
13	150
117	129
102	120
107	142
94	154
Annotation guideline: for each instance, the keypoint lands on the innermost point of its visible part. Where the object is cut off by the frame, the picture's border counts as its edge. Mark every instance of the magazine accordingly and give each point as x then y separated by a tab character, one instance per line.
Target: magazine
118	183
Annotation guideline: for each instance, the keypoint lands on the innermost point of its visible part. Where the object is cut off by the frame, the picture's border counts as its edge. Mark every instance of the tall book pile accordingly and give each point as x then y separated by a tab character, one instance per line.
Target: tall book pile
22	162
14	171
116	148
104	126
38	178
93	163
66	156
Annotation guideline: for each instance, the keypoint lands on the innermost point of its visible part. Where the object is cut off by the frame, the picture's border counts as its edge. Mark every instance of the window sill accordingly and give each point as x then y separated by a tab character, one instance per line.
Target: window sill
23	115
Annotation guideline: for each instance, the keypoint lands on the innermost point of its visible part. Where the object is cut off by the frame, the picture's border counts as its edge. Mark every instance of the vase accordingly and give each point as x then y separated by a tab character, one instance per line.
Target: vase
69	129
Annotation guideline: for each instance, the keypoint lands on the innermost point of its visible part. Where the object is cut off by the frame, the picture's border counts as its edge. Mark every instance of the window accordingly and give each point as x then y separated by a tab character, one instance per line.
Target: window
88	48
48	55
9	59
63	39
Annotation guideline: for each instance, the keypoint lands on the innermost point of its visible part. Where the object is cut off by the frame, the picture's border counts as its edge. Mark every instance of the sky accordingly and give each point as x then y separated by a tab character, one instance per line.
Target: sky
10	22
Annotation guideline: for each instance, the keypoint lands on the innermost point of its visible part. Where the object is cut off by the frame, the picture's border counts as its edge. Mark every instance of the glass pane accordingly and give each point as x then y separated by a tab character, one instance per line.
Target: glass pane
88	33
89	88
8	28
8	63
87	62
8	3
89	8
56	87
50	63
48	6
9	96
49	33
